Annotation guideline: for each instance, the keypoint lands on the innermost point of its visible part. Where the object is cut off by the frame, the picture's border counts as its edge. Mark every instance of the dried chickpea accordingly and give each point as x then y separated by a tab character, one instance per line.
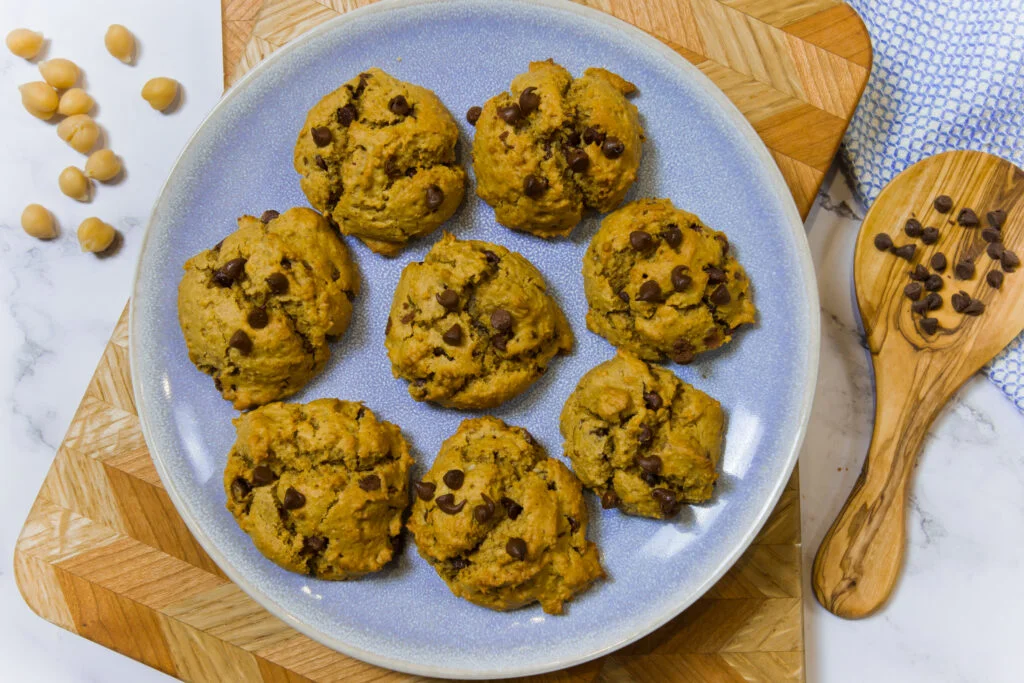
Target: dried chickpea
120	43
74	184
102	165
94	235
38	222
79	131
39	99
160	92
60	73
74	101
24	43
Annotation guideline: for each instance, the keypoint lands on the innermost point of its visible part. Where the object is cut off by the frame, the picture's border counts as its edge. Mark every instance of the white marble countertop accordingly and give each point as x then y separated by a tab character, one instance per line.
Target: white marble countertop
956	616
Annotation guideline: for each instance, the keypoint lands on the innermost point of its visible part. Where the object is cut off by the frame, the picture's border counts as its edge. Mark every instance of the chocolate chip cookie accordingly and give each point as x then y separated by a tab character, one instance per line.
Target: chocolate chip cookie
321	488
377	156
555	146
662	284
503	524
643	440
473	325
258	309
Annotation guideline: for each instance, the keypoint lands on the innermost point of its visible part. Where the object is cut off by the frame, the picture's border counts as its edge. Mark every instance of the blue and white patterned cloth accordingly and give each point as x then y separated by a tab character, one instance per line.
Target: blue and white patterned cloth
947	74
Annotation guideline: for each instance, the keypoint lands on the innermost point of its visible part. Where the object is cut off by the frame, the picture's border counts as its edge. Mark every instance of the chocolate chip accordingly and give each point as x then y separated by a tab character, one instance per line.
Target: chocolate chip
612	148
512	508
623	295
964	270
240	489
652	399
408	317
346	115
229	273
967	218
510	114
574	138
933	283
996	218
491	257
293	500
500	341
609	500
534	186
592	135
673	236
913	228
313	545
262	475
975	308
913	291
641	240
391	169
919	273
650	463
994	278
458	563
449	300
991	235
257	318
960	301
682	352
883	242
473	115
715	275
939	262
446	504
435	197
667	500
577	160
721	296
933	301
241	341
516	548
904	252
529	101
399	106
995	250
943	203
1009	260
483	513
453	336
574	524
454	479
278	283
929	325
649	292
321	136
425	490
930	235
269	215
645	435
370	482
320	163
501	320
919	307
680	279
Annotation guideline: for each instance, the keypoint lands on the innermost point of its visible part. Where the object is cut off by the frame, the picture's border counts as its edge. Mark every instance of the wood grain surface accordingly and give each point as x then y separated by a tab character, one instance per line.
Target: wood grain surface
859	561
105	555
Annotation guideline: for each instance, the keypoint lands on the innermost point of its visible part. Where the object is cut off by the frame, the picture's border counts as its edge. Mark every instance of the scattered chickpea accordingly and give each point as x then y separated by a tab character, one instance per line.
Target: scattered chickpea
79	131
74	101
39	99
120	43
38	222
74	184
60	73
102	165
24	42
95	236
160	92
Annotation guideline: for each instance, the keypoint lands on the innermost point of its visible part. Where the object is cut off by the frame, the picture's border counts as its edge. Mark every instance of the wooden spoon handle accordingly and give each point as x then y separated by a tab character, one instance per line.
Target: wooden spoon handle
859	560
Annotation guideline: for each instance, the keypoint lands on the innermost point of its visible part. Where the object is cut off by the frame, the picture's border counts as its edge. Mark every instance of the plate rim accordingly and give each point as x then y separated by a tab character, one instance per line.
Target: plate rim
773	176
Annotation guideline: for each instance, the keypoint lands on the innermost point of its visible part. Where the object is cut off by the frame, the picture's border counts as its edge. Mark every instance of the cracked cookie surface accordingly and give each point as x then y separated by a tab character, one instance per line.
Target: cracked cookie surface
502	523
555	146
257	310
642	439
662	284
473	325
319	487
377	156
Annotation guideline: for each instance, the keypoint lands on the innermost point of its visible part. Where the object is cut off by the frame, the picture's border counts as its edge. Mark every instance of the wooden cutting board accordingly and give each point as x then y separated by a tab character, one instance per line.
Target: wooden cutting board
104	553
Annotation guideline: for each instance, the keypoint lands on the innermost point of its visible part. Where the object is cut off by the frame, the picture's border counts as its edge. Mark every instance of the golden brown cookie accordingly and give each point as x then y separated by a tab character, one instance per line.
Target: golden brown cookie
662	284
473	325
642	439
555	146
320	487
503	524
377	156
257	310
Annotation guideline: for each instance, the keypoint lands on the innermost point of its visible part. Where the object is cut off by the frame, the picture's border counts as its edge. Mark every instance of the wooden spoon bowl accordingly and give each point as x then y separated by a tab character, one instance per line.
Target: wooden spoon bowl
916	372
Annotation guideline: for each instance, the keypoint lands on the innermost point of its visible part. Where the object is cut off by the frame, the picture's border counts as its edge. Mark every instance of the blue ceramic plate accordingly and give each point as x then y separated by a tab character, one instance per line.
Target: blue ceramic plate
700	152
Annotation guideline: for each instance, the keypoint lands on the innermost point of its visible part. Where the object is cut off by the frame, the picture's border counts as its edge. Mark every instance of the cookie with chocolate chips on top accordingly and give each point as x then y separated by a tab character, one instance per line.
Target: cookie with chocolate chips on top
555	146
662	284
257	310
377	157
319	487
473	325
642	439
502	523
